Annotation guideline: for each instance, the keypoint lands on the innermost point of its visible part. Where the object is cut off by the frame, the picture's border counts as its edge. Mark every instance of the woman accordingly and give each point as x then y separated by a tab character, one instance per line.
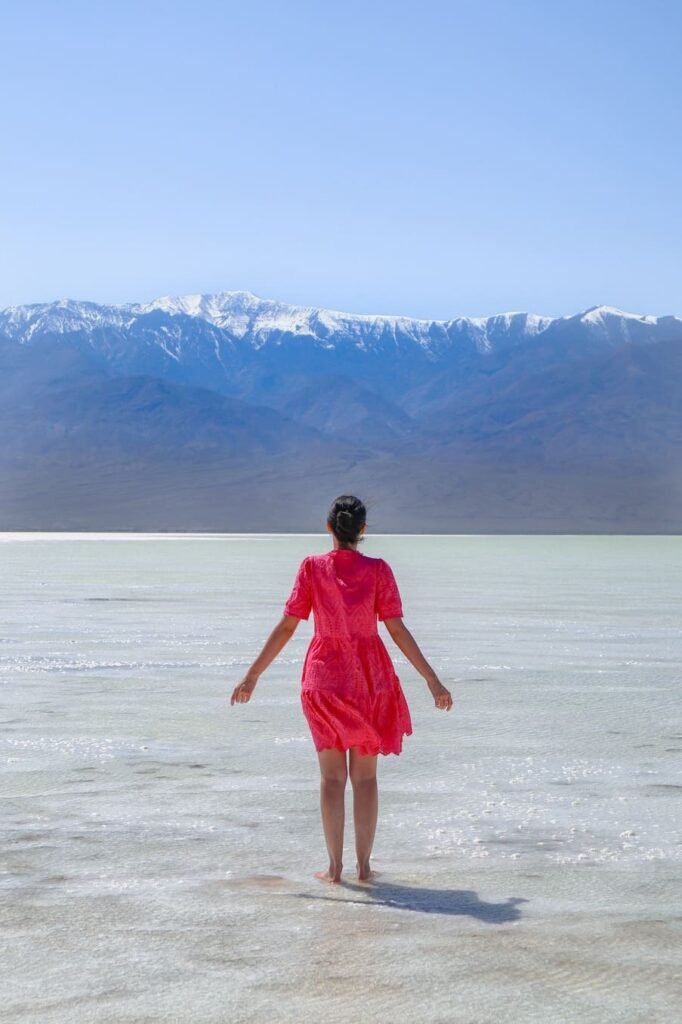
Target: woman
350	694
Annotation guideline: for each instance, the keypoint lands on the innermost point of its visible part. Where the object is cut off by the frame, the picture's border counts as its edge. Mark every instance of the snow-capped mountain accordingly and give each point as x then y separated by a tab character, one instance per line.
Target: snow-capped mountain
244	315
111	411
264	351
65	316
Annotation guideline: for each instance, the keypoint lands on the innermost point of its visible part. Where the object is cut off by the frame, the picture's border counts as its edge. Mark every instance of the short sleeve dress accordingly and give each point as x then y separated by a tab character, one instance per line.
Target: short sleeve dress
350	693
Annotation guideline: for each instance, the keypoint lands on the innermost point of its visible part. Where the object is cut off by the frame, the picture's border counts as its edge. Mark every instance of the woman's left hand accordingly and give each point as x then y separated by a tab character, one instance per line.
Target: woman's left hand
242	692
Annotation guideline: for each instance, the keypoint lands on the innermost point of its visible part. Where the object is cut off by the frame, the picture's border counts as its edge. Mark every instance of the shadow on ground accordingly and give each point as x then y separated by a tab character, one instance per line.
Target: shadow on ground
461	902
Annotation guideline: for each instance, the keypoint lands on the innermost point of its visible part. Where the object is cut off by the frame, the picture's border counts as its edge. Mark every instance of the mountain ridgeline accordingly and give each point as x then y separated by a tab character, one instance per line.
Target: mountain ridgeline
231	412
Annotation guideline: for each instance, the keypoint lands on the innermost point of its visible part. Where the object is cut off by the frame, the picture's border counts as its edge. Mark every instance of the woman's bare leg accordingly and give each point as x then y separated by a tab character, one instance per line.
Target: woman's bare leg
363	777
334	773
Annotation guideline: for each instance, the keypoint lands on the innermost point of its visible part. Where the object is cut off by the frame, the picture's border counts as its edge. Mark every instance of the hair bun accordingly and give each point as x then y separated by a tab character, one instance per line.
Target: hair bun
347	518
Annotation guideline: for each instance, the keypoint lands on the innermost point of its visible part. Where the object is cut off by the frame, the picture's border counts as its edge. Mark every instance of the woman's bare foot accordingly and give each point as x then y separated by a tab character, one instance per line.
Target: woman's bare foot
330	875
365	873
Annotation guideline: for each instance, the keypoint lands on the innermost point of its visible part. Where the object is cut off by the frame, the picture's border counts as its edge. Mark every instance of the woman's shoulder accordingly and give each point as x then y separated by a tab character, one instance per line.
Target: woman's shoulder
332	551
322	558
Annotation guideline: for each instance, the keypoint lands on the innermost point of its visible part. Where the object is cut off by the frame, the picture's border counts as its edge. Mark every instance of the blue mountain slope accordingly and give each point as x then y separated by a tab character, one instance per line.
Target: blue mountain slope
165	412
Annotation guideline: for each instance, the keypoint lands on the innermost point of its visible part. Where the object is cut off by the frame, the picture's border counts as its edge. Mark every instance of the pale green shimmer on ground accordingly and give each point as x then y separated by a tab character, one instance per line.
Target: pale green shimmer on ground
158	846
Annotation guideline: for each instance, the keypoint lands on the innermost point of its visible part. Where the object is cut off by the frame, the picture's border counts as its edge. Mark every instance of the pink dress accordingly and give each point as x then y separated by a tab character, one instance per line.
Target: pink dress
350	693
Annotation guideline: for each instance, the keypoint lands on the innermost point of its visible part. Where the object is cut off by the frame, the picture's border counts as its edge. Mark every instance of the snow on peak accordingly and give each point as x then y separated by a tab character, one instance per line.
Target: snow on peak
61	316
597	314
242	312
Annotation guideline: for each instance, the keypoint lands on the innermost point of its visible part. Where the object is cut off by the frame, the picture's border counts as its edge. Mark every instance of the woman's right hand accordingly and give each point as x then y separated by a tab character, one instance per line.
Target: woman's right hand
441	695
242	691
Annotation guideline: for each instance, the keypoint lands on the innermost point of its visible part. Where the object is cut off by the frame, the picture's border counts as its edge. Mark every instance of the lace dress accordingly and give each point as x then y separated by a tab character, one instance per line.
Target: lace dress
350	693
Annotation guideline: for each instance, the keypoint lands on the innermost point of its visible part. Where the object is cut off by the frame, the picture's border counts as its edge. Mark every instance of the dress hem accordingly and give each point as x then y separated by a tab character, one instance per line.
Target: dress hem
371	753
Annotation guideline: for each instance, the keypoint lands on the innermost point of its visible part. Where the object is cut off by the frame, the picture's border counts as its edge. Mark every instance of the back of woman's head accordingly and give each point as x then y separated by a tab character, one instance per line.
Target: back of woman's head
347	515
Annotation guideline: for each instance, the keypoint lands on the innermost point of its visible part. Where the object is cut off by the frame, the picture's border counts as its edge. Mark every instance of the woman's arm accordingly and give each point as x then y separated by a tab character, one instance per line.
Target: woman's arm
403	639
281	635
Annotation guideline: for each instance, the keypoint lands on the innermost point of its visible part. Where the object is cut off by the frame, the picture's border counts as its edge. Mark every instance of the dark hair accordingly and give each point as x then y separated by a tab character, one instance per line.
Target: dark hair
347	515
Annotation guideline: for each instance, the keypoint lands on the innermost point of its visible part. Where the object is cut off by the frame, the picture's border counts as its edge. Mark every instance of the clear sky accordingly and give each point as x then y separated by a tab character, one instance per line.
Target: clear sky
434	159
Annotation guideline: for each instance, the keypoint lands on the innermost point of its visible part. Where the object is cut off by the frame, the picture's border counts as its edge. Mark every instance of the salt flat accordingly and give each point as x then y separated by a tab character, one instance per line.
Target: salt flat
158	845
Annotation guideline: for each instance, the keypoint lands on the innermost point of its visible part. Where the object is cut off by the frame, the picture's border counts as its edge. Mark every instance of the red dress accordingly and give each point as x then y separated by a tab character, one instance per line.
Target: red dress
350	693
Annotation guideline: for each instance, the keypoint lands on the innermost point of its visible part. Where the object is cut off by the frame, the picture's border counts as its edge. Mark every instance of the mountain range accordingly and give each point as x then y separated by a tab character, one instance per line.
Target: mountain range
232	412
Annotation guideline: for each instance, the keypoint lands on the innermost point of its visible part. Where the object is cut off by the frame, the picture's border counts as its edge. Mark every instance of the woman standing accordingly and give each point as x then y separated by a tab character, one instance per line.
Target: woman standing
350	694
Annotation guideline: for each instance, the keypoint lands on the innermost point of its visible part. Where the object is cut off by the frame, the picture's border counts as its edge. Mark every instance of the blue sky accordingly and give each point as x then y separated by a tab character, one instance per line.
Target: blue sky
425	158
